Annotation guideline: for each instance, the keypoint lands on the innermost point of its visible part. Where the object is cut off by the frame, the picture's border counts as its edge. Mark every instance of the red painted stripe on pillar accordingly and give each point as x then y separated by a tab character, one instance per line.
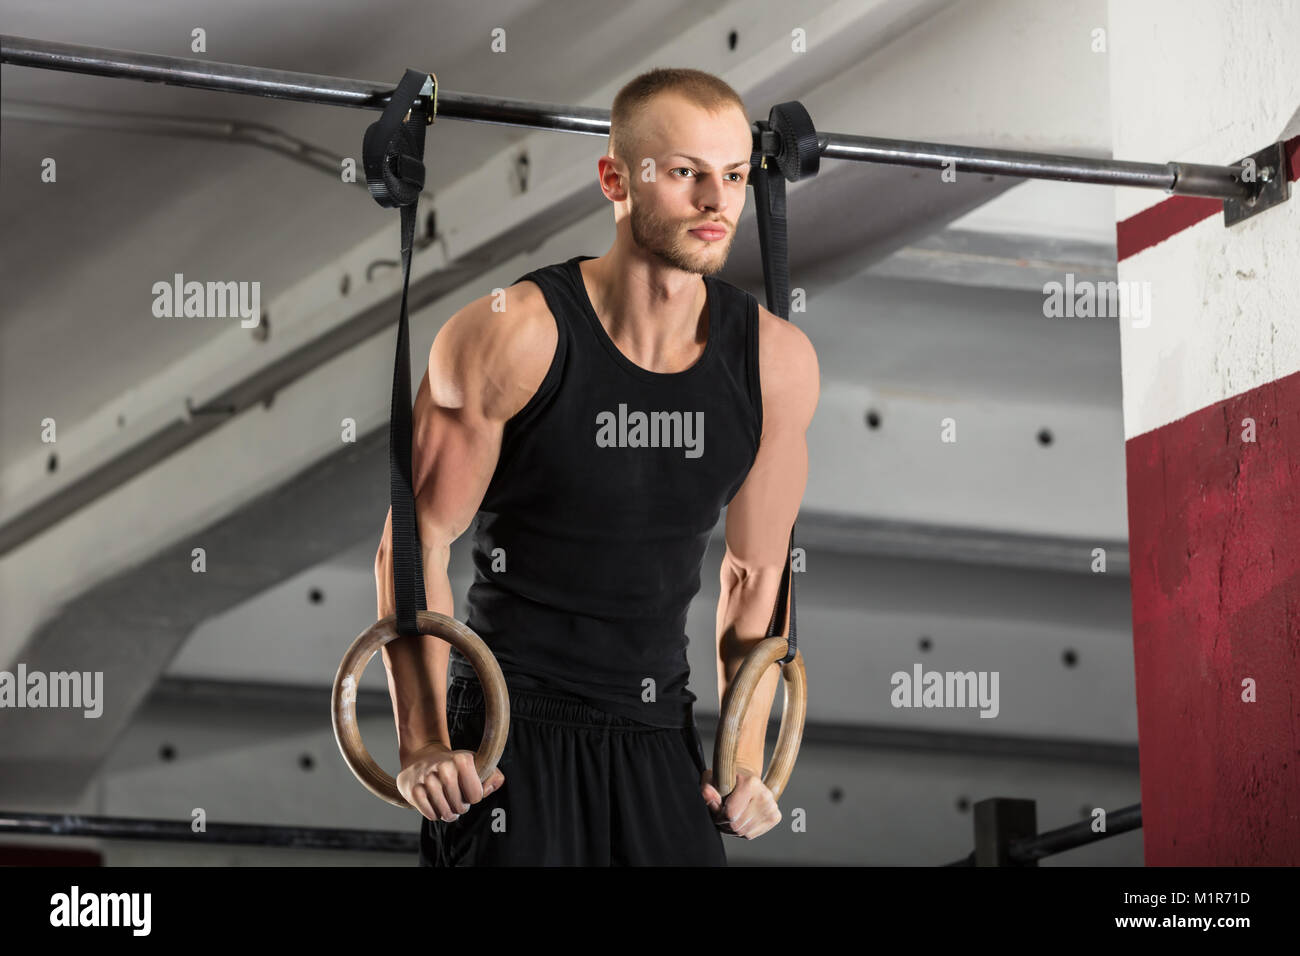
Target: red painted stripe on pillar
1214	527
1159	222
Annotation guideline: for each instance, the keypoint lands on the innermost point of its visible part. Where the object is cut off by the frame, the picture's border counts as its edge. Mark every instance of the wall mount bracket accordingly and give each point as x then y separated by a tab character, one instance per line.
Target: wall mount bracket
1273	185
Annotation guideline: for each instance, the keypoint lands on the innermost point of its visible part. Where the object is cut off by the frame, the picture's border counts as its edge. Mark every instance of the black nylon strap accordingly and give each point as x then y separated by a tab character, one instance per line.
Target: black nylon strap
794	153
393	155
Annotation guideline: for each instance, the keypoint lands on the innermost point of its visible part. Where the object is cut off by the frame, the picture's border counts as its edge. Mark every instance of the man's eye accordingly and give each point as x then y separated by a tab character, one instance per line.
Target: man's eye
736	177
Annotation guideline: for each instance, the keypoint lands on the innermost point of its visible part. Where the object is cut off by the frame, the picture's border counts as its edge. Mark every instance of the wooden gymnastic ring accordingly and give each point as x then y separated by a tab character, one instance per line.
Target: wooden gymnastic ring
343	700
736	702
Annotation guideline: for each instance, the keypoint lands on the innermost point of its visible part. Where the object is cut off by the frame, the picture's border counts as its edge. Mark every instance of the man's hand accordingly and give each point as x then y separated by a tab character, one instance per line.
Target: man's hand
442	784
749	811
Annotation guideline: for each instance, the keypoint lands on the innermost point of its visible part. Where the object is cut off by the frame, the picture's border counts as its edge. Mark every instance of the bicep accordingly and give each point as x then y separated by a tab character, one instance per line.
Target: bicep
483	368
761	514
763	511
456	440
454	453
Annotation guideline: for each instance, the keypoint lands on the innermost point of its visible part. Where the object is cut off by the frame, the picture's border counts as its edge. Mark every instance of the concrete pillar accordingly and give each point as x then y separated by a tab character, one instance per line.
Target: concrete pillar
1212	429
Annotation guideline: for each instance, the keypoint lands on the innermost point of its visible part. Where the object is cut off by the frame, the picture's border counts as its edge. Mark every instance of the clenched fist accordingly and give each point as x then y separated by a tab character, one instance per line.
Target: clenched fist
442	784
750	809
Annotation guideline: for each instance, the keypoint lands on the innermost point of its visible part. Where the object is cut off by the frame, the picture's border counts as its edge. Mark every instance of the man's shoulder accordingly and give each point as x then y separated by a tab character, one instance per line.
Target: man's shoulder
519	311
501	344
778	336
789	371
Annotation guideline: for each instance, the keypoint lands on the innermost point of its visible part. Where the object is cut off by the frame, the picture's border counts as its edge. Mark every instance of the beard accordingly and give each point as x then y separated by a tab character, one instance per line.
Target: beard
668	241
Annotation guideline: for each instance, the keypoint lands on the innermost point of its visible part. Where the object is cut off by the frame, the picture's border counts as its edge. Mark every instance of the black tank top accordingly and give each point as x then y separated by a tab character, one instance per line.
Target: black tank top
588	545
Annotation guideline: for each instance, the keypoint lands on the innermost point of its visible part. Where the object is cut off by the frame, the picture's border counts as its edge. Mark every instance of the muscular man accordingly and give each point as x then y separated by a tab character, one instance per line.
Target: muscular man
595	419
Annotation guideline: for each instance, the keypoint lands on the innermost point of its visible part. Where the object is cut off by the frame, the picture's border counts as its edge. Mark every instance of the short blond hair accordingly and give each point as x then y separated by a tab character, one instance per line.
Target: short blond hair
696	86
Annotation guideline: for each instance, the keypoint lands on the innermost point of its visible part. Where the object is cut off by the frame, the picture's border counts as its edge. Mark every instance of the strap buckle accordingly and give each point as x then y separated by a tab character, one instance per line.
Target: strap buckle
429	92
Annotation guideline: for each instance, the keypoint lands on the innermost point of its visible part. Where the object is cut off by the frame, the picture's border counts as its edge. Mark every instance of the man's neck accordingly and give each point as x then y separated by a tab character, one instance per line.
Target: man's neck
654	313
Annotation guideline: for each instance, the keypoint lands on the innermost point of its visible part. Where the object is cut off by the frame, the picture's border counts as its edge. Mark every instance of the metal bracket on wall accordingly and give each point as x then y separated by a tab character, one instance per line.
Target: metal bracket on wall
1273	185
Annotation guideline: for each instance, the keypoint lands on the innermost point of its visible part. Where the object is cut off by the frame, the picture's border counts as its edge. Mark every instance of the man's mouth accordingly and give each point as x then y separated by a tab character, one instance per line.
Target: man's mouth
709	233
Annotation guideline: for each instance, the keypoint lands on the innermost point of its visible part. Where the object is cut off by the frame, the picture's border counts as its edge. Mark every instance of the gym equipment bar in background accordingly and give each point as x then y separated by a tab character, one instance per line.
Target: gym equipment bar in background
1192	179
252	834
1006	833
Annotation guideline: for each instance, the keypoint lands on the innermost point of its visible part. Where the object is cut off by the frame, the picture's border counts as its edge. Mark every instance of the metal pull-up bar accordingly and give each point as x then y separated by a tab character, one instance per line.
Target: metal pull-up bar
1191	179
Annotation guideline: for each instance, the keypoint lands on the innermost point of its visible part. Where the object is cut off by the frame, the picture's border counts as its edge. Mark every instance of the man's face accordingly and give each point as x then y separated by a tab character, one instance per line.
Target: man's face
687	216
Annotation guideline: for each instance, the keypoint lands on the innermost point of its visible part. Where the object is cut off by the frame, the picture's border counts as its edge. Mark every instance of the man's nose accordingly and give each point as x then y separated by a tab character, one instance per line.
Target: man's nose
712	193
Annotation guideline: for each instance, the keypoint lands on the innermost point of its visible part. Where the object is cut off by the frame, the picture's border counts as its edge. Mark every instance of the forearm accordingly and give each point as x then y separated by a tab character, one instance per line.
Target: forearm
417	666
744	612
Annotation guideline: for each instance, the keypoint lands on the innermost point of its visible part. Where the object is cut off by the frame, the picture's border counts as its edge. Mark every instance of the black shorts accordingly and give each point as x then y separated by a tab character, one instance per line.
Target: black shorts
583	787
